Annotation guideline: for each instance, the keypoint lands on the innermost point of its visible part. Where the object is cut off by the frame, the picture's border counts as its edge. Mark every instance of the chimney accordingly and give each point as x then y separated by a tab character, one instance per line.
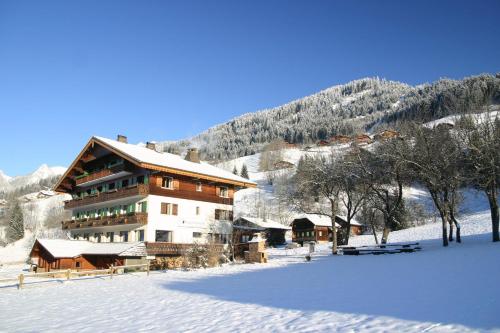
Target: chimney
121	138
192	155
151	145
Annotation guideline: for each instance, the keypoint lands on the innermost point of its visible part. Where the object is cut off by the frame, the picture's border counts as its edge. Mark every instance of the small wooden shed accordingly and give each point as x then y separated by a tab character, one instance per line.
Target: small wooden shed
56	254
318	228
244	228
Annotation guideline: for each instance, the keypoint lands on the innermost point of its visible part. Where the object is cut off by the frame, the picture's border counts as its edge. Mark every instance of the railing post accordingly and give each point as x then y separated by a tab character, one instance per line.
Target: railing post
111	271
68	274
21	281
147	268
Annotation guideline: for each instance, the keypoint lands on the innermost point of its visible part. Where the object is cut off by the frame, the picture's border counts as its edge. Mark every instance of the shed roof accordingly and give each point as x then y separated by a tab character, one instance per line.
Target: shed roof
64	248
265	224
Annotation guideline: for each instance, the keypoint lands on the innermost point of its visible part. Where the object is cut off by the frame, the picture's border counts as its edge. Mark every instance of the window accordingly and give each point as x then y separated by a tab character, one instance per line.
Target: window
196	234
111	186
111	236
143	206
320	233
163	236
197	210
125	183
139	235
198	186
78	264
223	192
224	215
140	179
124	236
169	209
167	182
245	238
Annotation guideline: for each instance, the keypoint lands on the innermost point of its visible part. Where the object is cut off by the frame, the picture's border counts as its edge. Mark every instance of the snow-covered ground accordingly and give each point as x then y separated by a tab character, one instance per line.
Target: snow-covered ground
452	289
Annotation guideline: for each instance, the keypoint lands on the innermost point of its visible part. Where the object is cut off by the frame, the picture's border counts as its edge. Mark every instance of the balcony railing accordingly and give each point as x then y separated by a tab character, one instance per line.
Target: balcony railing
165	248
131	218
139	189
99	174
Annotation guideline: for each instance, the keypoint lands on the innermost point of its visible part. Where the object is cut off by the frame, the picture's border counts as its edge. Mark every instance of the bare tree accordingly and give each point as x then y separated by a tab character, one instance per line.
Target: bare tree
384	174
316	189
481	138
436	160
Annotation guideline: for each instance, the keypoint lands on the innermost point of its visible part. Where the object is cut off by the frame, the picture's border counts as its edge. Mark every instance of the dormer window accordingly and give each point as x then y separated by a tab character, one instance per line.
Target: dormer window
167	182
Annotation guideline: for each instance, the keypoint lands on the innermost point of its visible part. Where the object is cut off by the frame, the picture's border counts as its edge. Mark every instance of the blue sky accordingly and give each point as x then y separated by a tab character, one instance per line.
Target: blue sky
165	70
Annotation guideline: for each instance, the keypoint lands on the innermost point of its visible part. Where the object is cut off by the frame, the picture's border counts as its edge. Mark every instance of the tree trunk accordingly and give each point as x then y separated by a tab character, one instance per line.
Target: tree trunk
450	236
457	225
385	234
334	237
443	212
492	198
374	233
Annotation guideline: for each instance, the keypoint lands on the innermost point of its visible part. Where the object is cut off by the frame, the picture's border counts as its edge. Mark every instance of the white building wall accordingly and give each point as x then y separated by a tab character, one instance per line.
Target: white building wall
186	222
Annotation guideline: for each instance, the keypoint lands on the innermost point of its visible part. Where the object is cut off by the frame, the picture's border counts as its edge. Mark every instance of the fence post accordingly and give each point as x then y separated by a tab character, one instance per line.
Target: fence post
147	268
68	274
111	271
21	281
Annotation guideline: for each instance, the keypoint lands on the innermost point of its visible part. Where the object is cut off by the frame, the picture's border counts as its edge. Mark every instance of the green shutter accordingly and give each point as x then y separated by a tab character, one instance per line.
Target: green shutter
144	207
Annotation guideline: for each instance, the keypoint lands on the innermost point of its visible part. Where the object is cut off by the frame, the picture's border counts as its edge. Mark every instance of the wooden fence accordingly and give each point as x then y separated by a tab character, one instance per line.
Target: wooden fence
68	274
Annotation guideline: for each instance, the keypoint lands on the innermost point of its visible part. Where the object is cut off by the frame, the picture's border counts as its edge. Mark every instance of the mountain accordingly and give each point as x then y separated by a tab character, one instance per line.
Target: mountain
41	178
359	106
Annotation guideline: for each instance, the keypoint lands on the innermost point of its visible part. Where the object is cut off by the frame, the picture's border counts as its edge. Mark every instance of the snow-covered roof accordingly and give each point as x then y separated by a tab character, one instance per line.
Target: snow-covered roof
64	248
267	224
318	220
150	156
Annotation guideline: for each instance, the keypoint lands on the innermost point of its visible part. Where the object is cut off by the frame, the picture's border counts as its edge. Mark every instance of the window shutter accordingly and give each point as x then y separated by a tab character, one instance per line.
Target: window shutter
176	184
174	209
163	208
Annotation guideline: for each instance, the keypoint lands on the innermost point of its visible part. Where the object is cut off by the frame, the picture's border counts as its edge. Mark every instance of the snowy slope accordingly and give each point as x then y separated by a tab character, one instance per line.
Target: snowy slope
452	289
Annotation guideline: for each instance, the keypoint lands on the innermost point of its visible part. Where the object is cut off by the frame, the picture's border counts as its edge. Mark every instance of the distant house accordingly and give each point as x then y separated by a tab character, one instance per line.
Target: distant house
283	165
362	139
56	254
244	228
385	135
323	143
45	194
318	228
340	139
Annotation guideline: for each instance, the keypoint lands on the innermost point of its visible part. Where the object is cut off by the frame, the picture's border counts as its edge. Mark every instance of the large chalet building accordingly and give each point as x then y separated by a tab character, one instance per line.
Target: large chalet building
130	193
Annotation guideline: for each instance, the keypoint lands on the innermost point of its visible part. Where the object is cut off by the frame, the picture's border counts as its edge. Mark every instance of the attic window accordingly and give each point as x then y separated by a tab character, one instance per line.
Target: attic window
198	187
167	182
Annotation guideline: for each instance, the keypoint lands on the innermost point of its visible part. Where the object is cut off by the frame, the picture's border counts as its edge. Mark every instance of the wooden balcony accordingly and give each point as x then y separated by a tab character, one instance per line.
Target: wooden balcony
190	195
166	248
139	189
100	174
134	218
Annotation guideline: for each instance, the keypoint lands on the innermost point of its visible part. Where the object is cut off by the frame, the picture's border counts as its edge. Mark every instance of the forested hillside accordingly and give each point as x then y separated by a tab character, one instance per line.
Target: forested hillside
356	107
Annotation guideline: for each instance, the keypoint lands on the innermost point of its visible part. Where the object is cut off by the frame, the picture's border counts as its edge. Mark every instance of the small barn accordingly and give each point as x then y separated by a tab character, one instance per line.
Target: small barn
386	134
318	228
340	139
362	139
56	254
283	165
244	228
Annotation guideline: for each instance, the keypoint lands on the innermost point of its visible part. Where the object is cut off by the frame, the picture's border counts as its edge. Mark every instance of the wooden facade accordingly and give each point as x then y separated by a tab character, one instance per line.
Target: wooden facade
304	230
46	262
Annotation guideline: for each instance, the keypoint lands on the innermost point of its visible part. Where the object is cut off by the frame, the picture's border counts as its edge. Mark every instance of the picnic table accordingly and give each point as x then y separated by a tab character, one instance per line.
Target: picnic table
379	249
